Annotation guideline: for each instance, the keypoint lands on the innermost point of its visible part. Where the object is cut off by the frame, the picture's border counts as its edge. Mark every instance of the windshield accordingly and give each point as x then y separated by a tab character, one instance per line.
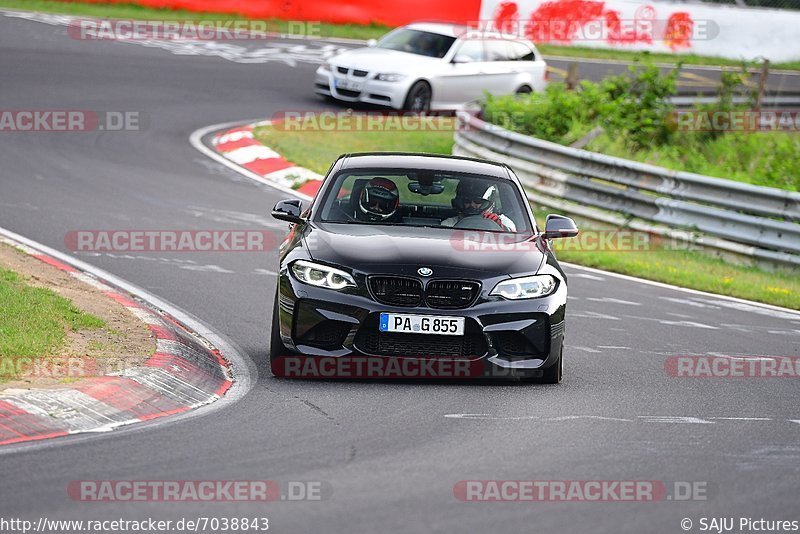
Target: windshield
425	199
417	42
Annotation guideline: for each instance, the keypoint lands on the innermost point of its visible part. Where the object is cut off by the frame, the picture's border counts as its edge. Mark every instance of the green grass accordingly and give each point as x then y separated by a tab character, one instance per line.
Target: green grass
760	158
351	31
671	59
34	321
696	270
644	127
317	150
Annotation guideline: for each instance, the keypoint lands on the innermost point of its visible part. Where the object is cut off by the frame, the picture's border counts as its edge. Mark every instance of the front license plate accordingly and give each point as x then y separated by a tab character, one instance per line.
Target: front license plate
347	85
422	324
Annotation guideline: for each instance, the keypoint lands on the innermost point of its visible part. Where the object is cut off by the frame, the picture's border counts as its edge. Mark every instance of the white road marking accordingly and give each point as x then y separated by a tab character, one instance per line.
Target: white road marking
673	419
611	300
738	327
265	272
745	357
752	308
488	416
690	324
742	418
690	302
785	332
233	217
595	417
638	419
594	315
247	53
206	269
680	315
588	276
793	314
616	347
585	349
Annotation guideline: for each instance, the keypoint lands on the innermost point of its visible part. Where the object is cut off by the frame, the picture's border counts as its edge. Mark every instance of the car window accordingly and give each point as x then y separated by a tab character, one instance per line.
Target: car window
519	51
418	198
497	50
471	48
417	42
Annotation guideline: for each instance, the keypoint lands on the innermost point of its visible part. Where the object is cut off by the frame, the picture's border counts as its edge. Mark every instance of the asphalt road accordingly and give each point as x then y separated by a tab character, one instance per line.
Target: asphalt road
389	453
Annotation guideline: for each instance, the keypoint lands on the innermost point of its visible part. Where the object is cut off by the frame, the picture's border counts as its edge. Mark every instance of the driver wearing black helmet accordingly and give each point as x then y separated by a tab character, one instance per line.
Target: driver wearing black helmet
475	198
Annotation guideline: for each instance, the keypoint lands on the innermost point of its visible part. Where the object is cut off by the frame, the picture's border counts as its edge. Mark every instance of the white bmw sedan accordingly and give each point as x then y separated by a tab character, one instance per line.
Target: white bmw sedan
426	66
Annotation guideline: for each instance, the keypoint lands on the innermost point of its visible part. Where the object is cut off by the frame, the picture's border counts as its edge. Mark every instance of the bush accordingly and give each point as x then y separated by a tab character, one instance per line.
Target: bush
634	105
637	118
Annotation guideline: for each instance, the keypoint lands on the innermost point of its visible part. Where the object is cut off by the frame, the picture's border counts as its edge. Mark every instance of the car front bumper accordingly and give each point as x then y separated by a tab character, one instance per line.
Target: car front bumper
502	339
371	91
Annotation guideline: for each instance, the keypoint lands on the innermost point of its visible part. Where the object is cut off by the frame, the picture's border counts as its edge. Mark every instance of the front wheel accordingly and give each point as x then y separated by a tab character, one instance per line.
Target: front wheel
277	350
419	98
554	373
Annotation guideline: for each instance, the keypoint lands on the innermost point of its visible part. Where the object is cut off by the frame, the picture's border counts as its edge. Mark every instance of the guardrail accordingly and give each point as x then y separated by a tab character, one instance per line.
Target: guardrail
743	219
780	100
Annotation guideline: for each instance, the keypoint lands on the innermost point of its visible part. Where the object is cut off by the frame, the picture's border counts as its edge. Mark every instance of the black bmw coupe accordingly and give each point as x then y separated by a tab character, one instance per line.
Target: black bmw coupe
416	265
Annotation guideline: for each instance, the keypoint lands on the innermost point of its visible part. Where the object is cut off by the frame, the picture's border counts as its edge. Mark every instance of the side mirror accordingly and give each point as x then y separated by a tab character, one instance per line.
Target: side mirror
462	58
557	226
288	210
371	42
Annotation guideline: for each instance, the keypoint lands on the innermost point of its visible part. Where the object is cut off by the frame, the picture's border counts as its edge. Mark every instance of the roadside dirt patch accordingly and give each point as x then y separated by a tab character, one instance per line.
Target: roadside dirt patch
124	342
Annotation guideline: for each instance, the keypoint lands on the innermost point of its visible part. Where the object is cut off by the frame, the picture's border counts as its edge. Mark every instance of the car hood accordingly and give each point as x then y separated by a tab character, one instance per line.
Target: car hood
403	250
374	59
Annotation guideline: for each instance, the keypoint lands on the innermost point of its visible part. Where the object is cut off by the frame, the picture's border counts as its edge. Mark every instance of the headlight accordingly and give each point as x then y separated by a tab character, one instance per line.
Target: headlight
319	275
527	287
390	77
327	65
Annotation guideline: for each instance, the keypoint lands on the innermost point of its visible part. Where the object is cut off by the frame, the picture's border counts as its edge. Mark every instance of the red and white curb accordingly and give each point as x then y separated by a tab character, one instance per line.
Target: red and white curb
184	373
239	146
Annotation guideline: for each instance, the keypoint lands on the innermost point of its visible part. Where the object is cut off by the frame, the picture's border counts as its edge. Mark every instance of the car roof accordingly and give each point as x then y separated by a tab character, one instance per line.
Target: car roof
451	30
434	162
460	31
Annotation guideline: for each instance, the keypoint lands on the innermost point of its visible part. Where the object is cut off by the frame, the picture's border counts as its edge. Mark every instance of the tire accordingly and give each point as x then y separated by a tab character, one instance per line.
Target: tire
276	347
523	90
554	373
419	97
